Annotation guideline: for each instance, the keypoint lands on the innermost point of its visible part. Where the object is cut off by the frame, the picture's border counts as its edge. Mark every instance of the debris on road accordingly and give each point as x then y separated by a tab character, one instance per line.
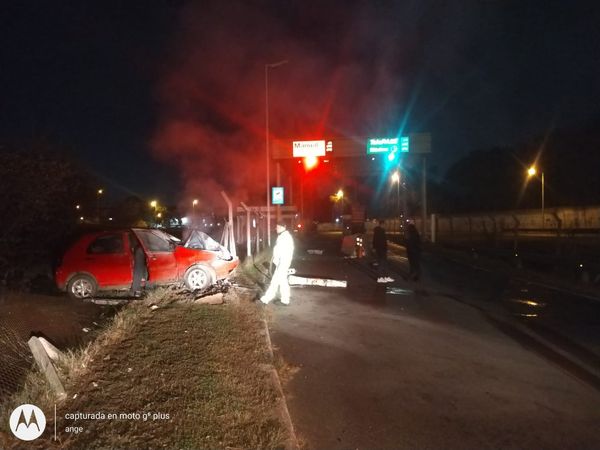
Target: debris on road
310	281
398	291
85	330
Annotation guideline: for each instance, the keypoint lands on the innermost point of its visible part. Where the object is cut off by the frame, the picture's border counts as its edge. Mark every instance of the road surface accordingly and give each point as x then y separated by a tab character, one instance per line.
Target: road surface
418	367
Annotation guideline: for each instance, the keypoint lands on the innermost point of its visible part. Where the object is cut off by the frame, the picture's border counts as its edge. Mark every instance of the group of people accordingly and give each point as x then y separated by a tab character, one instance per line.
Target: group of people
412	243
284	250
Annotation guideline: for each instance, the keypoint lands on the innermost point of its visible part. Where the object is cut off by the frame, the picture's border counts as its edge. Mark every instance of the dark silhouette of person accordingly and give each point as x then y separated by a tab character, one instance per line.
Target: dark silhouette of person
380	247
412	243
140	269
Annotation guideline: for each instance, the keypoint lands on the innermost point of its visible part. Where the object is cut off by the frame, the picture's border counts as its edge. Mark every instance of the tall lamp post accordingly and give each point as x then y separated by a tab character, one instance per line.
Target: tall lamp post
99	192
194	203
268	154
396	179
531	173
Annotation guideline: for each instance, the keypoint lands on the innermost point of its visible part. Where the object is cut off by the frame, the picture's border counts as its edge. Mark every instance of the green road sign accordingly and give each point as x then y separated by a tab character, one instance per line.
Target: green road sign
387	145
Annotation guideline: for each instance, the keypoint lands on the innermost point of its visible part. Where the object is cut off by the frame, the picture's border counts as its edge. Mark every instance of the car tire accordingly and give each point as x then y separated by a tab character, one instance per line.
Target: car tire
197	278
82	286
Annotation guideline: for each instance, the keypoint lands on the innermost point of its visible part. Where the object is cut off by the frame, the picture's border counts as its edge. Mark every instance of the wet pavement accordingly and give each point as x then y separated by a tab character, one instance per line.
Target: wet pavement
571	321
414	365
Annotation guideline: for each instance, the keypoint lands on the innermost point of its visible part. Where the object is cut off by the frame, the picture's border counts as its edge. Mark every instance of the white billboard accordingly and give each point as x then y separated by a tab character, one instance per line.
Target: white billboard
304	149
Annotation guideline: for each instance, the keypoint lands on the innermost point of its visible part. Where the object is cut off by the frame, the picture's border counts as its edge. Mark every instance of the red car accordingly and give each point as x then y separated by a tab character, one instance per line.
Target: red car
104	261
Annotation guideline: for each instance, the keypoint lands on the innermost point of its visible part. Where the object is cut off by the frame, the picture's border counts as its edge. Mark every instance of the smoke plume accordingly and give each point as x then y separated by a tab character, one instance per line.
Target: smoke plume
343	78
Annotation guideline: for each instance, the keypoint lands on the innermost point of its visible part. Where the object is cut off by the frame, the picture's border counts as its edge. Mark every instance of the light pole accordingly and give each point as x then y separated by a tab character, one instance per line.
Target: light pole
154	205
100	192
530	173
396	179
194	203
268	155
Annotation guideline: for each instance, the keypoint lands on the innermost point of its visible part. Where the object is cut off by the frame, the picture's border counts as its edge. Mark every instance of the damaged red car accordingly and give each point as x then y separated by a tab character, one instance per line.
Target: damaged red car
104	261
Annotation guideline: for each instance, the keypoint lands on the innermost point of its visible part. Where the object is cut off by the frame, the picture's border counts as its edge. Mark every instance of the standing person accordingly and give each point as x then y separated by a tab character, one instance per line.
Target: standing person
140	269
380	247
413	251
282	258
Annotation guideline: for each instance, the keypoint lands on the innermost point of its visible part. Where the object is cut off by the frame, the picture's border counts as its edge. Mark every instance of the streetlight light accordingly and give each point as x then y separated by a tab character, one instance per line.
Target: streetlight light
267	67
531	172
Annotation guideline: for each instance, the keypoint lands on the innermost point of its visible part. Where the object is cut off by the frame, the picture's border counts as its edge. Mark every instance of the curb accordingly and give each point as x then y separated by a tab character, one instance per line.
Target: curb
292	442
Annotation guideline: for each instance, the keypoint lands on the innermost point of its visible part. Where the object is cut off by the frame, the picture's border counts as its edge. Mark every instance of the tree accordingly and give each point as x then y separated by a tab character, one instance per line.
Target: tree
39	192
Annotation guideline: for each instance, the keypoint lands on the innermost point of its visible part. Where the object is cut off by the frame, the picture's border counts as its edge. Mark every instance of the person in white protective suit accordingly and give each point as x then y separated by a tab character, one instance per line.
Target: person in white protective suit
282	258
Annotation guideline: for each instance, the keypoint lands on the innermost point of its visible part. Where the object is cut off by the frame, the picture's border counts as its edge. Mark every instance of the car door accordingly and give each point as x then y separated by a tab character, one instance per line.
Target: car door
162	265
108	259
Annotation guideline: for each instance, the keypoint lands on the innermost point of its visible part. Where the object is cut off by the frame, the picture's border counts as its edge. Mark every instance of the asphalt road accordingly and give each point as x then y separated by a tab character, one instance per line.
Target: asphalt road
419	367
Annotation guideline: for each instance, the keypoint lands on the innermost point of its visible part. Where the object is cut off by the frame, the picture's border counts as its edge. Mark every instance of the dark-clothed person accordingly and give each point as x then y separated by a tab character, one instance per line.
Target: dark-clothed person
380	247
380	242
140	270
413	251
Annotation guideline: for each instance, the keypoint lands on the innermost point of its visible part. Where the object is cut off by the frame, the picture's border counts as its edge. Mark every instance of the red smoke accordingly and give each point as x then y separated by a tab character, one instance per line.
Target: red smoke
212	95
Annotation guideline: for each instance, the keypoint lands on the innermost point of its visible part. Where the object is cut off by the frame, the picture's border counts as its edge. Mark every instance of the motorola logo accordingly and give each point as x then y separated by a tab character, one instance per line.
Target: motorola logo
27	422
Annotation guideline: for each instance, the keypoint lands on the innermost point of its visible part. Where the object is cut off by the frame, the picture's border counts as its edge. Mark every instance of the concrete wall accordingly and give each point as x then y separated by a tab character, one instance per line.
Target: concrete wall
555	219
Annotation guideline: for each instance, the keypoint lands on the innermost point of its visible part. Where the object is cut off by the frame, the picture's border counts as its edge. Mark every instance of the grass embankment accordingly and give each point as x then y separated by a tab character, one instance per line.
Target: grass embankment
194	374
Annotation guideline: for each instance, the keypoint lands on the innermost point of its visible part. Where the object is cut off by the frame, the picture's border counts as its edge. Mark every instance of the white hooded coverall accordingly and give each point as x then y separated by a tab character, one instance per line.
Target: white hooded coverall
282	258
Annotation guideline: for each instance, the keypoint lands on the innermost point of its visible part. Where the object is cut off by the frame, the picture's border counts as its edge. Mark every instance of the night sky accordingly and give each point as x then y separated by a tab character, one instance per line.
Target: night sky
167	98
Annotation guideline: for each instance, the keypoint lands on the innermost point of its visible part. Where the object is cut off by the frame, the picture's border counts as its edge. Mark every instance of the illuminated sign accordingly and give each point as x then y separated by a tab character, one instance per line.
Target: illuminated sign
303	149
277	195
388	145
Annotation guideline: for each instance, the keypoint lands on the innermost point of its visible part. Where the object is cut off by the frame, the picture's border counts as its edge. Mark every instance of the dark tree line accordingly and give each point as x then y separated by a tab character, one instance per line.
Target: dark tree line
39	188
496	178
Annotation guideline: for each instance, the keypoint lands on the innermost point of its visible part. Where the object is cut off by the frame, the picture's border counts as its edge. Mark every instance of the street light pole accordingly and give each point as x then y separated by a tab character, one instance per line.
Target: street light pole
267	151
396	179
531	172
543	189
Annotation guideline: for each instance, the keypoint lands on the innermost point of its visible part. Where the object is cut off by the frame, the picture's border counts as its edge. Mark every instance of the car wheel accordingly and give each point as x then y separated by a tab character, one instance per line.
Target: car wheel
197	278
81	287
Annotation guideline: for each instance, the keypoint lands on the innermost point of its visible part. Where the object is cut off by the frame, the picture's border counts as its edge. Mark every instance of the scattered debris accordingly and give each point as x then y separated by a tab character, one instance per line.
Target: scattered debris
385	280
153	307
45	365
86	330
129	369
94	384
106	358
97	301
51	350
74	396
398	291
215	299
323	282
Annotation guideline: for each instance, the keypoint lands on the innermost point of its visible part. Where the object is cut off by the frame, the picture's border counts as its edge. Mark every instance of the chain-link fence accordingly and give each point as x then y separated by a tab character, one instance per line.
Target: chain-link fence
15	358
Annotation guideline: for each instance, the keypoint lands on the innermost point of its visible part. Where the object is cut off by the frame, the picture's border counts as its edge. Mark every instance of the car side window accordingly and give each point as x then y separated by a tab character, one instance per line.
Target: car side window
154	243
106	244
